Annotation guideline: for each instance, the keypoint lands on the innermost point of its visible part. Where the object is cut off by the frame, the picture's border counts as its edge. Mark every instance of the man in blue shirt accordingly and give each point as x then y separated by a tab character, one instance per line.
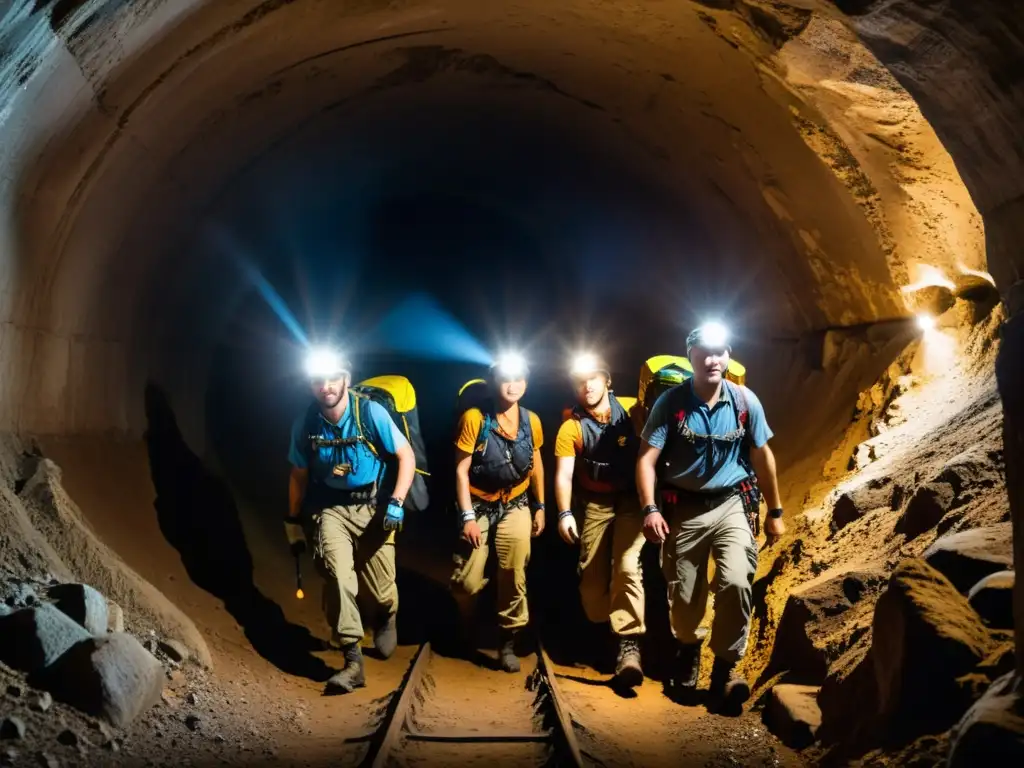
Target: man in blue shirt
339	491
705	445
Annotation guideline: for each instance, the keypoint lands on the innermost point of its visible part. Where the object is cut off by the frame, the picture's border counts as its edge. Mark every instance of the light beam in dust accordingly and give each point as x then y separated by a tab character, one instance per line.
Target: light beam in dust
419	327
975	273
262	285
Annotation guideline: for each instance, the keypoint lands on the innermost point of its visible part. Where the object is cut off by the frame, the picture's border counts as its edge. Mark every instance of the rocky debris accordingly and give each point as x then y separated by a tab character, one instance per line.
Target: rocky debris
957	484
14	690
792	714
175	651
115	617
858	501
112	677
12	728
992	598
926	509
33	638
68	738
815	626
992	730
925	636
19	594
83	604
54	525
965	558
192	722
42	701
4	609
933	300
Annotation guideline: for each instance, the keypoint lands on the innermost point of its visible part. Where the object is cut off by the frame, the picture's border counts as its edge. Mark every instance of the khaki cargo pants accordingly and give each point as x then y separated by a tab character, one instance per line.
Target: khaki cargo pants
611	581
696	534
356	557
511	540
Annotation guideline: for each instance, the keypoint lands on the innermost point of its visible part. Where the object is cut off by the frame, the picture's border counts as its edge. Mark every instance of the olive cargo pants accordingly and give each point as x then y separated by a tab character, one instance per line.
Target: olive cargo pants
611	581
696	534
356	557
511	539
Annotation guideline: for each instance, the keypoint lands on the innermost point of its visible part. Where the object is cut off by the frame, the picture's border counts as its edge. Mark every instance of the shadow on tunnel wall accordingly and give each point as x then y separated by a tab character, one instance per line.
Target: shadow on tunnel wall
199	518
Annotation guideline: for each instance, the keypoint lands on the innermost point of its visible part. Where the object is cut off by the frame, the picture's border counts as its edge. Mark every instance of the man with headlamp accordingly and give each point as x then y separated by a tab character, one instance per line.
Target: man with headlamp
497	468
705	446
340	492
596	452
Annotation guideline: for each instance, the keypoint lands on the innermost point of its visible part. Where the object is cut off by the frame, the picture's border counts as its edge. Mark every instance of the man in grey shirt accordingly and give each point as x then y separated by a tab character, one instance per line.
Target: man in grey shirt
705	445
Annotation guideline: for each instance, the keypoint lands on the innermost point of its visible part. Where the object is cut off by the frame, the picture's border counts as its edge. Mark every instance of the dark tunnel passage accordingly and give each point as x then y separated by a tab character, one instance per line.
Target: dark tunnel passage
195	192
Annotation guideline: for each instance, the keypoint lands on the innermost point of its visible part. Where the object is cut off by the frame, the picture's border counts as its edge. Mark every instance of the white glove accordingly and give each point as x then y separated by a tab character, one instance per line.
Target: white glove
567	529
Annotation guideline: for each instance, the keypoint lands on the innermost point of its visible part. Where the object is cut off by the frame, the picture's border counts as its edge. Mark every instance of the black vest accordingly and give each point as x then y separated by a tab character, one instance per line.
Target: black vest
498	463
609	450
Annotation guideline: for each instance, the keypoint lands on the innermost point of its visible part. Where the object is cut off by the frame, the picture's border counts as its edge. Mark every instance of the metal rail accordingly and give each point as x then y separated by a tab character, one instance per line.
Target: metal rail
394	728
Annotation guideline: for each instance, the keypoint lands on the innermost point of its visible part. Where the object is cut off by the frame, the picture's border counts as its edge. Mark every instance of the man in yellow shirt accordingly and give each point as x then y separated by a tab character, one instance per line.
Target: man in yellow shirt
497	464
596	451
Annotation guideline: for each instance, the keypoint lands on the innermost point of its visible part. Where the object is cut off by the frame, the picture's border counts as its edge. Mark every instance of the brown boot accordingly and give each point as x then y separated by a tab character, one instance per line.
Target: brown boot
628	671
352	676
729	689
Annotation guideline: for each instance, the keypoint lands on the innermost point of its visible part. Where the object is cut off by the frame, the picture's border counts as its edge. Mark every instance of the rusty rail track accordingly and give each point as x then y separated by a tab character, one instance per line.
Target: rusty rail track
396	728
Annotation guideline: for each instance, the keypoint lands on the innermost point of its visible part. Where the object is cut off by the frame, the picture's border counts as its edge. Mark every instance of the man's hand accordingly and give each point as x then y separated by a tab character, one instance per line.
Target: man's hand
393	518
774	527
538	523
471	532
655	528
296	535
567	529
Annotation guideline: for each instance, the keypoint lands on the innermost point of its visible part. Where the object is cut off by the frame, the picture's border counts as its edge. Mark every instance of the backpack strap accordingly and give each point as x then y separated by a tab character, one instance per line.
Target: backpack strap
739	399
362	415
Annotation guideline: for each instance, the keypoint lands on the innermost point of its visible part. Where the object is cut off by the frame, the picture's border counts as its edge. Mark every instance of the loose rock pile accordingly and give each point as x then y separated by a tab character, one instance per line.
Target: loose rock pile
938	655
61	640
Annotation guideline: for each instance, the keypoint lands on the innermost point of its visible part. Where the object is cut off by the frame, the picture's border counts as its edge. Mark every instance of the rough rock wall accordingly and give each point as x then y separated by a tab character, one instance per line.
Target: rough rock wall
961	62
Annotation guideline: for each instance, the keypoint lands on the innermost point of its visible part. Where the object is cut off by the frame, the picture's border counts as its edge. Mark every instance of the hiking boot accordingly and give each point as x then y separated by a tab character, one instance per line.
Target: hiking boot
729	690
628	671
507	653
385	637
687	672
352	676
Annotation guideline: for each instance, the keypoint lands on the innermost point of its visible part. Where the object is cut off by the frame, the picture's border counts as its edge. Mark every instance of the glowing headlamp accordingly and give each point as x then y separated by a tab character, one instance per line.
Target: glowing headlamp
324	363
511	366
711	335
587	364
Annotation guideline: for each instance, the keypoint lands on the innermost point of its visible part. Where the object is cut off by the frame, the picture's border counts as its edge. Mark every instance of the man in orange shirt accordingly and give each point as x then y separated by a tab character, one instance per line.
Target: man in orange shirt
596	451
497	463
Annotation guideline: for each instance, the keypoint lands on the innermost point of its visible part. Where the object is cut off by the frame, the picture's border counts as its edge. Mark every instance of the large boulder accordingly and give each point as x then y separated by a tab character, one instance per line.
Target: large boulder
960	480
821	621
792	714
83	604
992	731
912	676
992	598
33	638
925	636
112	677
861	499
848	697
965	558
927	507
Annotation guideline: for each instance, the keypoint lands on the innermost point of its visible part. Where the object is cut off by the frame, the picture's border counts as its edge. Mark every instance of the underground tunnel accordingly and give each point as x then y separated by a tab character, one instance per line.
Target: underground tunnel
193	193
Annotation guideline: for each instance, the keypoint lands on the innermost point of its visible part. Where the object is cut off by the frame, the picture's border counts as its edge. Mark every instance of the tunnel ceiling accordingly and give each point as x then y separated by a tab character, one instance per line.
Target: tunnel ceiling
717	155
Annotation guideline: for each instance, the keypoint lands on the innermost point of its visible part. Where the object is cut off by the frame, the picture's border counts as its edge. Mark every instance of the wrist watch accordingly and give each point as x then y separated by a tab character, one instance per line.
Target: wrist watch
396	501
564	513
775	513
651	509
538	507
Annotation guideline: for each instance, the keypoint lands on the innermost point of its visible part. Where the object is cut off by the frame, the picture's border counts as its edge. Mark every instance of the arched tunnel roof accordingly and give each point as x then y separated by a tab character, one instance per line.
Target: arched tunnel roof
707	155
